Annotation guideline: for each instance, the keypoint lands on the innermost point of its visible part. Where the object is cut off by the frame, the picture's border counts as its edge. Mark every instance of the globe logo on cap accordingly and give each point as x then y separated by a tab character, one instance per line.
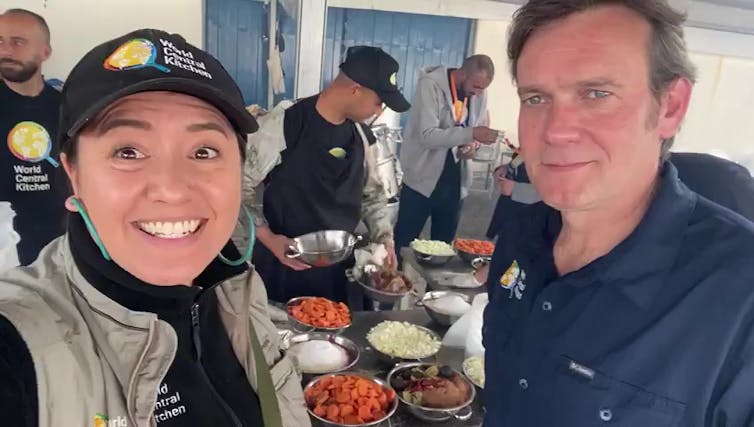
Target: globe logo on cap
394	79
30	142
136	53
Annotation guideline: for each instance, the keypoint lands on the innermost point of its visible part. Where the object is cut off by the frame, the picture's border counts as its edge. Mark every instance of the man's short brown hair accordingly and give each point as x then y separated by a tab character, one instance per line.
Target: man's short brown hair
668	57
35	16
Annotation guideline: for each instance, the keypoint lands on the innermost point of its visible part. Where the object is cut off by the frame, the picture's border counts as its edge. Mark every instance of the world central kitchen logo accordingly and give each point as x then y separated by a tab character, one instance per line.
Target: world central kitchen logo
101	420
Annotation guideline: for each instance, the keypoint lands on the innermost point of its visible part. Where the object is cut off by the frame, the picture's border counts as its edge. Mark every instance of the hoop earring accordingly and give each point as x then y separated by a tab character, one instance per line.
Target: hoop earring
90	226
249	250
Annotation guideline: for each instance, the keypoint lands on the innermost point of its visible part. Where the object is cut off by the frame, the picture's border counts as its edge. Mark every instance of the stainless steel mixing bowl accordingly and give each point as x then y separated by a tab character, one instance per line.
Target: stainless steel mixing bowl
323	248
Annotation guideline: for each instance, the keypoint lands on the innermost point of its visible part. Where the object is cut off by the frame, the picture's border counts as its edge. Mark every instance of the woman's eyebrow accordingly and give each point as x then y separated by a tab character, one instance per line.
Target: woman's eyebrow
201	127
112	123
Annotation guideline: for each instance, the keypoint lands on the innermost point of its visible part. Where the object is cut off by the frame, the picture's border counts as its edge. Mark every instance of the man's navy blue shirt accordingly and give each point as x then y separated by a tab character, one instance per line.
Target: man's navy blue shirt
658	332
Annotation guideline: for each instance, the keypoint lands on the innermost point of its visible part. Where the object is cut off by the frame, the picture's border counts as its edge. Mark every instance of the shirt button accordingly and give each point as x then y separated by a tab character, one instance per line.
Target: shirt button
606	415
523	383
547	306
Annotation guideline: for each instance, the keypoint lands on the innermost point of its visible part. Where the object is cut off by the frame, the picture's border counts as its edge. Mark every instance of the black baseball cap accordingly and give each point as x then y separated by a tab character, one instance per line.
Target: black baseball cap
375	69
143	61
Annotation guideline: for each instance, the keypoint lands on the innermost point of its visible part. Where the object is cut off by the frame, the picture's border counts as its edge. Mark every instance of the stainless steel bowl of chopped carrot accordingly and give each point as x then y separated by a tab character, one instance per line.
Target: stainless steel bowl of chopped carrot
350	399
471	249
307	314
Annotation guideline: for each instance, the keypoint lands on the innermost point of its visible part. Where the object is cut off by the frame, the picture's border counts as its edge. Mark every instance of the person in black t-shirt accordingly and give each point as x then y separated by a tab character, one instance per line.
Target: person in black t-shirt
30	178
318	172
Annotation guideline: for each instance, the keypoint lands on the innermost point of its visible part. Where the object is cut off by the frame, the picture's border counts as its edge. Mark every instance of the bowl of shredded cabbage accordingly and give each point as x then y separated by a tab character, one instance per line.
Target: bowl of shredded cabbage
395	342
432	252
473	368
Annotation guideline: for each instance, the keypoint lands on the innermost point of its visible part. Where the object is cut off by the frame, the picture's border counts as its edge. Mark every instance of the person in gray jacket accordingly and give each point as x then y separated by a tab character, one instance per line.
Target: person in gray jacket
447	122
145	312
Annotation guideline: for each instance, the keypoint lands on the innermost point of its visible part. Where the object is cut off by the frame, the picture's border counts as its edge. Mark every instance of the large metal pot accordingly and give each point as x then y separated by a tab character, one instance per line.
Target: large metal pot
393	205
387	165
323	248
382	145
388	174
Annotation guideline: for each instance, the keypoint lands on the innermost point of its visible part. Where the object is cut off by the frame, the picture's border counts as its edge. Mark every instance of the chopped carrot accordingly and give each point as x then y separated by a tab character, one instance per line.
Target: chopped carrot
332	412
321	312
343	397
352	419
479	247
382	398
364	412
346	410
349	399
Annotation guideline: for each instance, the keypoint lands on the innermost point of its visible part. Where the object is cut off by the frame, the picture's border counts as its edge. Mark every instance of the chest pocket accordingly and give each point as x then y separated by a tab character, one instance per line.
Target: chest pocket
332	168
587	397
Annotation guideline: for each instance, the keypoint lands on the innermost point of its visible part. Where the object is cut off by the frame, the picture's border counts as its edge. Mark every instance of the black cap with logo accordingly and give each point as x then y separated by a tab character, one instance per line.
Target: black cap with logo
144	61
373	68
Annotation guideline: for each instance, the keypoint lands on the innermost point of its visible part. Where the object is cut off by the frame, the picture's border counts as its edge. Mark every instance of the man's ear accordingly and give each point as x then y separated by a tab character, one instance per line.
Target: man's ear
673	106
46	52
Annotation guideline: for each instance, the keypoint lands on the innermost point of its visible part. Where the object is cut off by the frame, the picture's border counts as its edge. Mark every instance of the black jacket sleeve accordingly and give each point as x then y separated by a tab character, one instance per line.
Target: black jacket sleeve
18	382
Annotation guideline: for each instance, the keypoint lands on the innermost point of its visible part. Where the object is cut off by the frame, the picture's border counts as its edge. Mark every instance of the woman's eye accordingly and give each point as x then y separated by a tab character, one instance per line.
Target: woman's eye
129	153
597	94
205	153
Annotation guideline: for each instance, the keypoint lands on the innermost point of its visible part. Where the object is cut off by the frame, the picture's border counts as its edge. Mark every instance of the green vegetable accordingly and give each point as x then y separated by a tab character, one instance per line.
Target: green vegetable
432	371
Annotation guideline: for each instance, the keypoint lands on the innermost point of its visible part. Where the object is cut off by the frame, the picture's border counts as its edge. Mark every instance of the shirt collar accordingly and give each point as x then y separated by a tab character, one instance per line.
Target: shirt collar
649	251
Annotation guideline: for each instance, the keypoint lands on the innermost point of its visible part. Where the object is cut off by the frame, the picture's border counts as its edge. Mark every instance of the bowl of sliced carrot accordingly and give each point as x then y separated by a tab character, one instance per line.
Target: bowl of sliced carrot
308	314
350	399
471	249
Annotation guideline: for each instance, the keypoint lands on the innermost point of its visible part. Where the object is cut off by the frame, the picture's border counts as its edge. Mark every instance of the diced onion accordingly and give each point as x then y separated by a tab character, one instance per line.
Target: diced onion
432	247
403	340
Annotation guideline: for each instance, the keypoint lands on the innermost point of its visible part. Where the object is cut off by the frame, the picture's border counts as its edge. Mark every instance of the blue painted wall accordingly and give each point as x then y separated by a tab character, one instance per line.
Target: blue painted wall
415	41
236	33
236	30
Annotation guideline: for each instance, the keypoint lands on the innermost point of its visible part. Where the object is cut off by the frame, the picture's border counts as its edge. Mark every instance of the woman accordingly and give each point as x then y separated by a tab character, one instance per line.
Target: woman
144	312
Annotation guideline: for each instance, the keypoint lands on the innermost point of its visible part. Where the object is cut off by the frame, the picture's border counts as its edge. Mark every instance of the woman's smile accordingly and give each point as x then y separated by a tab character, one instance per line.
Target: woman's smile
170	229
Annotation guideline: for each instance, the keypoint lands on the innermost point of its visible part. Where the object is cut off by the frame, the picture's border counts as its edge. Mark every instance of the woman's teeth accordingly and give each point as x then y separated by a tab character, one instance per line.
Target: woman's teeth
170	230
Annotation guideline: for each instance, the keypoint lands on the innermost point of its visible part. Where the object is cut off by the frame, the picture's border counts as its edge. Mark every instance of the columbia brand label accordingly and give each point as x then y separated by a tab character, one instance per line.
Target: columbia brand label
140	53
581	370
30	142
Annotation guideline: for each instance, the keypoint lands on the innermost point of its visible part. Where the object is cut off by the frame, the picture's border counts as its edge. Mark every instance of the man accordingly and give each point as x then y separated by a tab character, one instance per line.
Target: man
634	306
317	170
518	198
28	120
449	115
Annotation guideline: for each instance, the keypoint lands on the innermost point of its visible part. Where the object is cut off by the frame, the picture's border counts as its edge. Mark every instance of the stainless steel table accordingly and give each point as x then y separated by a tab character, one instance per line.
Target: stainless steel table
368	362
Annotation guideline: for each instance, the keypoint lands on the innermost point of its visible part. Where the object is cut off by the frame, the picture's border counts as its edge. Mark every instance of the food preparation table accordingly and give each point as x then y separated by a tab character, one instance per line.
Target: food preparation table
368	363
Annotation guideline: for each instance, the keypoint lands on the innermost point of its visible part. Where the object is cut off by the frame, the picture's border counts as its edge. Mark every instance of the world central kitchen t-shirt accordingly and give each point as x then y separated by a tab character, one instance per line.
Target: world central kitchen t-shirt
31	177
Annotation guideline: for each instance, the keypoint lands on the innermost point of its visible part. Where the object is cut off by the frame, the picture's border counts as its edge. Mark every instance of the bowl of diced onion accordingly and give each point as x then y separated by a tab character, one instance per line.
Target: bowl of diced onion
432	252
473	368
395	342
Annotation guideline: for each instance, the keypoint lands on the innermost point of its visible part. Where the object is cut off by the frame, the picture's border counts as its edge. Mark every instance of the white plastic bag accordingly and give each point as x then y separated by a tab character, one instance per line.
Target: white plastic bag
8	238
466	332
474	346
